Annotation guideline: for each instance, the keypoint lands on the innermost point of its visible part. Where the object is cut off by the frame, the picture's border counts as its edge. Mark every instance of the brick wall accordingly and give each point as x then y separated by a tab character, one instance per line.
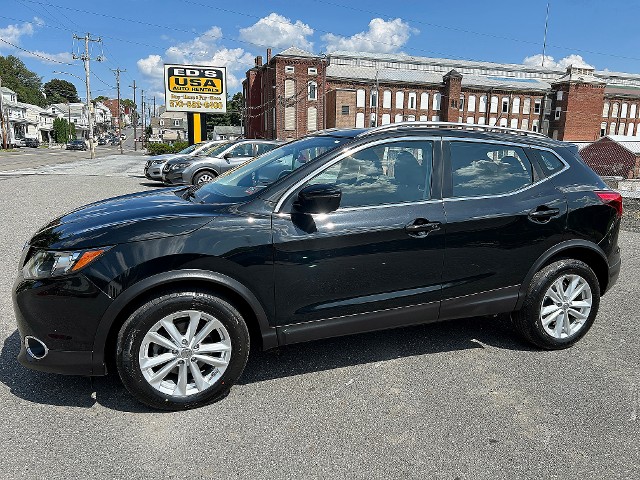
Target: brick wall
614	119
580	111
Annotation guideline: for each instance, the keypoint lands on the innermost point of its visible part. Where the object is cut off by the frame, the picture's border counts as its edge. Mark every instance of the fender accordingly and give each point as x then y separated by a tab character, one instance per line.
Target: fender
201	169
269	338
559	248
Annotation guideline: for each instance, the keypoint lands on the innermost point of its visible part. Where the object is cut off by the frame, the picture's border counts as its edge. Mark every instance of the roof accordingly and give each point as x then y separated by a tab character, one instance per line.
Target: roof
629	142
6	90
228	129
384	74
296	52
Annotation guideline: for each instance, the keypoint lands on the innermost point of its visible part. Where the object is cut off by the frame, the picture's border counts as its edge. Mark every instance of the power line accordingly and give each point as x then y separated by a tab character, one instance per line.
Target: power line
52	60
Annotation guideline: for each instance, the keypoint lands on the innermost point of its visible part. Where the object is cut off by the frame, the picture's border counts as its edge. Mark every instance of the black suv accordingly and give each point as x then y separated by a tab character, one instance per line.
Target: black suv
337	233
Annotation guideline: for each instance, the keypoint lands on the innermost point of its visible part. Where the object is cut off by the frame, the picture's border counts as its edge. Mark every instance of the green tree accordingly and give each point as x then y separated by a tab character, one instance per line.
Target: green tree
60	91
101	98
17	77
60	130
232	117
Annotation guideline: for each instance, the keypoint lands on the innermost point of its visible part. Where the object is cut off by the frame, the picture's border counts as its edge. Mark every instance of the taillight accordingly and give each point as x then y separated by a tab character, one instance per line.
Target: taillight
612	198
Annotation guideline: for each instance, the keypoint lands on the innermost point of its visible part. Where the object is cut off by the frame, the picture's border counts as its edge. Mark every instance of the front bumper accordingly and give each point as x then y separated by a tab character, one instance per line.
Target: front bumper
173	177
153	173
64	314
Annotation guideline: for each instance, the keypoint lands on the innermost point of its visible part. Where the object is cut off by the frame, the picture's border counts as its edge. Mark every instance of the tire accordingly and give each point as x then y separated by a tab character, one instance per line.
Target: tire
143	341
204	176
554	332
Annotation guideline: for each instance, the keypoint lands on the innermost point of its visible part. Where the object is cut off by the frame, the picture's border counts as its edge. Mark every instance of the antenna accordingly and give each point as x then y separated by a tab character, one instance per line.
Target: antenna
544	42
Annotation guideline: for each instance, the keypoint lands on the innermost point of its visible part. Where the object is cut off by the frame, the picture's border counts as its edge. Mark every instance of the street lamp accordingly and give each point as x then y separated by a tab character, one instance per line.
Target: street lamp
91	145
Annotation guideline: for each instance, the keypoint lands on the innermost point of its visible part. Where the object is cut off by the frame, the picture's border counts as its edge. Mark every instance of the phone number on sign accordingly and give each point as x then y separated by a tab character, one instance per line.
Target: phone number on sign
191	104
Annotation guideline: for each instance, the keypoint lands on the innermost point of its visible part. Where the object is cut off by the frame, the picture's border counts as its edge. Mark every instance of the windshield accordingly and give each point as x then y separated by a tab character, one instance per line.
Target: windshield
209	152
190	148
251	177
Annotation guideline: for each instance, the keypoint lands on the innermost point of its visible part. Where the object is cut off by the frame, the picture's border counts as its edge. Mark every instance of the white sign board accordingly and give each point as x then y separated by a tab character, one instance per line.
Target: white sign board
195	88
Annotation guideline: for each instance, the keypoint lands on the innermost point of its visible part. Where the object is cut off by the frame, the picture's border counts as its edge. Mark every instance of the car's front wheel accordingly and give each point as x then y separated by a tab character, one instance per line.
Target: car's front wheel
204	177
562	303
182	350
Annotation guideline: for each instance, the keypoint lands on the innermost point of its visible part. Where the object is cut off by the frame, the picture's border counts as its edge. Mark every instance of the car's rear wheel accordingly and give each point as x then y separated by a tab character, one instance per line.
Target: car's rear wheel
204	177
561	305
182	350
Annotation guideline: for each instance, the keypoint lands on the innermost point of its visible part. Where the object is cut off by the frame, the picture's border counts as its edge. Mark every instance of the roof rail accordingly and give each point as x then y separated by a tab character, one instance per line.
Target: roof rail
454	126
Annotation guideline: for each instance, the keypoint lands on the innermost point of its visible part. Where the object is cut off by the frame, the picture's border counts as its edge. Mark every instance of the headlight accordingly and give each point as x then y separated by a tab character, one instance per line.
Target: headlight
178	166
157	162
45	264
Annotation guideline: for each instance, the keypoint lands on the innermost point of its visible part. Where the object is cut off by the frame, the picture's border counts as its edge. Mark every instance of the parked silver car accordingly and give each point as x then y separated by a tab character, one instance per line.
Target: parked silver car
153	167
218	159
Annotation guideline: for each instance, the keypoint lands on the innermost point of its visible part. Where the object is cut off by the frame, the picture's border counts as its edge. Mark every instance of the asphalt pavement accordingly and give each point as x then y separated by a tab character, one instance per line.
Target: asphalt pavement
457	400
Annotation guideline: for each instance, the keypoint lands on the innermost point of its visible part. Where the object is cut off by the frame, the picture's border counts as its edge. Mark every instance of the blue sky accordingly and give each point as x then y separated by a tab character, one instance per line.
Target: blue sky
139	35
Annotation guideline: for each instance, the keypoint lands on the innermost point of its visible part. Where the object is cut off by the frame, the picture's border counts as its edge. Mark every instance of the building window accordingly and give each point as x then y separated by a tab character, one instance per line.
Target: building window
623	111
386	99
621	128
505	104
481	120
555	134
514	123
605	110
289	88
374	98
558	110
469	119
462	103
525	124
312	119
494	104
312	71
503	122
424	101
526	106
559	95
398	118
345	109
289	69
632	114
471	103
536	107
162	123
290	118
360	98
359	120
399	99
313	91
536	126
483	104
386	119
515	107
435	118
612	128
424	118
372	120
436	102
411	118
412	100
614	110
176	123
630	129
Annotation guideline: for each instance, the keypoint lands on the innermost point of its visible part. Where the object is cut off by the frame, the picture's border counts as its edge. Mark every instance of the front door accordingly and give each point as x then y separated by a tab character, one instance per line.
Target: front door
381	251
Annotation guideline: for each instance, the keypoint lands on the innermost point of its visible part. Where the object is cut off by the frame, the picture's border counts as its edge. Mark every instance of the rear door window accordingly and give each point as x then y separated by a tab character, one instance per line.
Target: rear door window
485	169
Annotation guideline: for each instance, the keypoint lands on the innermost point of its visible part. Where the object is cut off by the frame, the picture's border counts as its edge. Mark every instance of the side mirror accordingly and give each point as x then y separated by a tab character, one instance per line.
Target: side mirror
320	198
227	156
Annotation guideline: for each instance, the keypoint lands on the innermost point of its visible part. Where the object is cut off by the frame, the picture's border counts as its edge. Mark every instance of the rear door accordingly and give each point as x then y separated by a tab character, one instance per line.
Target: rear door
502	214
237	155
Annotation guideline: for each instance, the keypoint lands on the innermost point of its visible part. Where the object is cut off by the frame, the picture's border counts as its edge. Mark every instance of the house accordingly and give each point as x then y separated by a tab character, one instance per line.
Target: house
168	127
75	113
39	123
14	115
614	156
224	132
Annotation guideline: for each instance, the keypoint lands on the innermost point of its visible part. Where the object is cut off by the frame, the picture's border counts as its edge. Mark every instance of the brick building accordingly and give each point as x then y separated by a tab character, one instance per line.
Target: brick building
615	156
288	95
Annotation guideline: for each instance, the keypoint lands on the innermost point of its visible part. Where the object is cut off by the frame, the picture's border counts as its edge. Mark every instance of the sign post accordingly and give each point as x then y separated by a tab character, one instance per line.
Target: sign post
197	90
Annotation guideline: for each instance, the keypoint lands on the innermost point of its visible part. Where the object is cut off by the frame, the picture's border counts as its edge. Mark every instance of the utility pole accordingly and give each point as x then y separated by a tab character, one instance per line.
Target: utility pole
118	70
154	105
85	57
134	117
4	131
144	131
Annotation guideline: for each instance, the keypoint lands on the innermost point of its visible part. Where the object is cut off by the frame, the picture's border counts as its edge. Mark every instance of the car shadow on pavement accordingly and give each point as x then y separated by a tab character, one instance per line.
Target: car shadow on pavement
291	360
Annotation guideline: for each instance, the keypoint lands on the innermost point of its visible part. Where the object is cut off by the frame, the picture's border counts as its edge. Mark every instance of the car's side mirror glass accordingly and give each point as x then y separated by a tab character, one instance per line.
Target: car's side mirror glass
321	198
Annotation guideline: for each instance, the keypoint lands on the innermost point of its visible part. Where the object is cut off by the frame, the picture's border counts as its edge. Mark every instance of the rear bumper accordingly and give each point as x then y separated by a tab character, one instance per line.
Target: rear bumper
614	273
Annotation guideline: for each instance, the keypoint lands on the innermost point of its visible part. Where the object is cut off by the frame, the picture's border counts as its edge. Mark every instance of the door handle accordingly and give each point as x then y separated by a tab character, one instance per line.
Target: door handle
543	213
421	227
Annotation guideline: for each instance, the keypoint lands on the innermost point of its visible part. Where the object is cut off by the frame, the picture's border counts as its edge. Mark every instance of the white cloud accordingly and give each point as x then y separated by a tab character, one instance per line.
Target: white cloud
54	58
279	32
202	50
13	33
563	63
382	37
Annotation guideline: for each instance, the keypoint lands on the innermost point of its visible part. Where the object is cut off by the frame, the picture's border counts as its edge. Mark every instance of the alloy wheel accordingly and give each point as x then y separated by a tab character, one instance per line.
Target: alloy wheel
566	306
185	353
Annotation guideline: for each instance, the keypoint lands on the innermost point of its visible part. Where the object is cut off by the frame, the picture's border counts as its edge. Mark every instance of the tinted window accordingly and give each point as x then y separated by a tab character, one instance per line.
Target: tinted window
242	150
479	169
384	174
264	147
549	162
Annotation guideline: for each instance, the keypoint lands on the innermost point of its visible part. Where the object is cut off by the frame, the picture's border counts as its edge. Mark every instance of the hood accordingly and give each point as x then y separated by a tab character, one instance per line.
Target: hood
129	218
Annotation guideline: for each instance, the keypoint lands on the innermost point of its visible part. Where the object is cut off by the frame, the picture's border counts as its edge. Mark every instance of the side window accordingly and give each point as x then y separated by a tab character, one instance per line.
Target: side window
242	150
389	173
549	162
264	147
480	169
